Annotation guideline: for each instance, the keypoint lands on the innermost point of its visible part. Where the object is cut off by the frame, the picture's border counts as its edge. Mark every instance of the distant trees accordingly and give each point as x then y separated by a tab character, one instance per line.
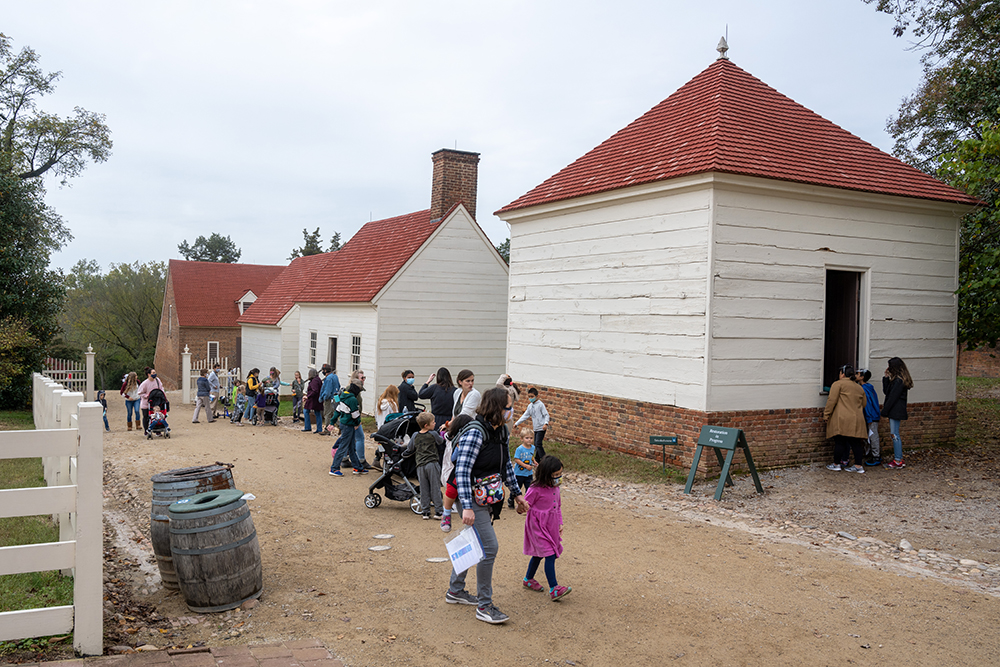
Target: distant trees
312	246
118	312
504	250
216	248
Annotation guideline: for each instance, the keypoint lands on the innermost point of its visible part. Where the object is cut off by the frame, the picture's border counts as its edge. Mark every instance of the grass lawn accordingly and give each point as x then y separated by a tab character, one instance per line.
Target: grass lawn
33	589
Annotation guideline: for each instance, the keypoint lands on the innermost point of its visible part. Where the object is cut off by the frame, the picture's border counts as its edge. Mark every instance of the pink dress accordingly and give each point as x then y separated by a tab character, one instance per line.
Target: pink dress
541	527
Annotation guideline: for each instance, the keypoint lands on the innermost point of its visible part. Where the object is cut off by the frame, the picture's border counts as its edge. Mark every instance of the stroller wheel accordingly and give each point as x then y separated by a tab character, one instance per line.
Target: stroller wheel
373	500
415	504
166	435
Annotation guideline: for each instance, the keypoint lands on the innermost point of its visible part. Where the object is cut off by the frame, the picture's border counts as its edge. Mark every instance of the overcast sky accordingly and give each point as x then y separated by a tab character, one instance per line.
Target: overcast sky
259	119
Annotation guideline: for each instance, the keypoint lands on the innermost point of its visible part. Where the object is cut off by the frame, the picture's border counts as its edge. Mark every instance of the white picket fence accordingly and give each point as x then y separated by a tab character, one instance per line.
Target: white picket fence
69	438
225	374
70	374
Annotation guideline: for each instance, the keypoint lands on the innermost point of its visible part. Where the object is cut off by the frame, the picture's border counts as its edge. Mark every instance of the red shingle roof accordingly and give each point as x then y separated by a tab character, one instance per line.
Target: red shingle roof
355	273
726	120
205	293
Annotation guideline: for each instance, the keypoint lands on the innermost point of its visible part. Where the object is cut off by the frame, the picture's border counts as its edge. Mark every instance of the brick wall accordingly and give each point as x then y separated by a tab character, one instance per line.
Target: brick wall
777	438
981	363
456	176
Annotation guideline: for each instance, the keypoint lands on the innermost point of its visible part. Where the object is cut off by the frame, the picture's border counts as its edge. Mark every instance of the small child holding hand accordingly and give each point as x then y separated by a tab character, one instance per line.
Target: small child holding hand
425	444
543	526
524	462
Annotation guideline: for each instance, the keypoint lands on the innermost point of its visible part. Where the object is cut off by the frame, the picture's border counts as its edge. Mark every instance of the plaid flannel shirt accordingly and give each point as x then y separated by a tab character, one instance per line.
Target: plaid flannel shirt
468	446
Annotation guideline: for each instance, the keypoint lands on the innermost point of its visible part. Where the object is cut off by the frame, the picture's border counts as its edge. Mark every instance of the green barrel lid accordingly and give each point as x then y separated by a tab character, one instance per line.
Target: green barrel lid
209	500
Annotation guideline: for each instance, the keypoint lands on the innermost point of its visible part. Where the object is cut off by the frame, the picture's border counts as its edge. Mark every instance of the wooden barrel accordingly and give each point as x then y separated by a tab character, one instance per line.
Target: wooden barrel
168	488
215	550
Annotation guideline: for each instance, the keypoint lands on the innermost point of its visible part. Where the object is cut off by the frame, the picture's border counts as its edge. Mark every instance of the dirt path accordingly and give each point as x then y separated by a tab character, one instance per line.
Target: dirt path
657	576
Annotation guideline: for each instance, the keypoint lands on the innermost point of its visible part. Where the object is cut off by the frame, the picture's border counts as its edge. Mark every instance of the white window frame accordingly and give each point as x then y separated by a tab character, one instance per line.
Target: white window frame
313	341
209	345
355	352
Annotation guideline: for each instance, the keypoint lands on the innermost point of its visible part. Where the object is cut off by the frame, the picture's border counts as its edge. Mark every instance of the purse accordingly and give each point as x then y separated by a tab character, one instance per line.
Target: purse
488	490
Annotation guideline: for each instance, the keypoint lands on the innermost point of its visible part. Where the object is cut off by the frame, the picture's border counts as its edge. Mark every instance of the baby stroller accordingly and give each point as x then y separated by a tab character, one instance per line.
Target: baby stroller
270	408
398	463
158	427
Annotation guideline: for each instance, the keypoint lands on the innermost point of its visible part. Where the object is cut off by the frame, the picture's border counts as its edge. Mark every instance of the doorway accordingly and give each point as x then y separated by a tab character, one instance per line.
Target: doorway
841	330
332	356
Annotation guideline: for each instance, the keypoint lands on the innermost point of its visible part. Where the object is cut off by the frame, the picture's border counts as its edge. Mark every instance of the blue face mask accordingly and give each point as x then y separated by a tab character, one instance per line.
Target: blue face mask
409	380
532	399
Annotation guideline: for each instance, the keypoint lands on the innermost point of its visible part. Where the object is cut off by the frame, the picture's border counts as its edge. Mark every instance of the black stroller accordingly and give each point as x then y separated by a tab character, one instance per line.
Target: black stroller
270	409
158	427
398	464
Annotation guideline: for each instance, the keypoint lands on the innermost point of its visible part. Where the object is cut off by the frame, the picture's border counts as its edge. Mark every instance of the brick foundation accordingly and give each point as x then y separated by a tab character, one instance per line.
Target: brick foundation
980	363
777	438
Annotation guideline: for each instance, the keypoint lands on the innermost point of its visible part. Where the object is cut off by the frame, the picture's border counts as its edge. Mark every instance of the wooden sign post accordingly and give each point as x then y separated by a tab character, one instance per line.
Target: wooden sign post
663	441
719	438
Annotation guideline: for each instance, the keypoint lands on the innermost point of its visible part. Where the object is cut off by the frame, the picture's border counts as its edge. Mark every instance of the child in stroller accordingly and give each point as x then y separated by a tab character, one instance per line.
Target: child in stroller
267	407
397	462
158	408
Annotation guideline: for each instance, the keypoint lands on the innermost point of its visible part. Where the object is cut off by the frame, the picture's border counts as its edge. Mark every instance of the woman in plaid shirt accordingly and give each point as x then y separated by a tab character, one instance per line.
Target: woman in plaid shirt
479	456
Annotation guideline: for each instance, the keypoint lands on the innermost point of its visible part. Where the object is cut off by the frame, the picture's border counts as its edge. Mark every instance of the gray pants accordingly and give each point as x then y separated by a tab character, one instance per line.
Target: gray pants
484	570
429	477
327	412
874	448
202	402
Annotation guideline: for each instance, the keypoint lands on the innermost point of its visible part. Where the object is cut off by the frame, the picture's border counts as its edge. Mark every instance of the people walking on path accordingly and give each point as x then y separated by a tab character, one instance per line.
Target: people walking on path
149	384
441	395
349	410
543	527
896	384
204	398
539	415
845	422
312	404
215	390
130	390
330	388
425	446
482	453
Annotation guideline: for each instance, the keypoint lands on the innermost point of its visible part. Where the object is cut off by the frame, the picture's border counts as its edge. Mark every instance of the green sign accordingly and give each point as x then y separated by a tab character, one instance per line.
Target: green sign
721	438
663	441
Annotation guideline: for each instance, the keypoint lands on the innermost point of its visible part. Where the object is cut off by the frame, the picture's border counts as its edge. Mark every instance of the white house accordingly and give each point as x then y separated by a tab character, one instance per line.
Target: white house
716	261
417	291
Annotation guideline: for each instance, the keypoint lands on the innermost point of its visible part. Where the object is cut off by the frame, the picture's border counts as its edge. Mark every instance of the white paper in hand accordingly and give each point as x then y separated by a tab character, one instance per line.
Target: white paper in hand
465	550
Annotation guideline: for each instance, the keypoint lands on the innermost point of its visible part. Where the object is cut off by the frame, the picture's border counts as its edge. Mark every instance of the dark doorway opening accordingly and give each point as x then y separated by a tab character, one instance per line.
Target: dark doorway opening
332	358
843	315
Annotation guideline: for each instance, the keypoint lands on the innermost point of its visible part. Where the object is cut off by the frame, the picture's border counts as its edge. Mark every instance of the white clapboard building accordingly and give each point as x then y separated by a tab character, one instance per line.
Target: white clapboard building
716	262
416	291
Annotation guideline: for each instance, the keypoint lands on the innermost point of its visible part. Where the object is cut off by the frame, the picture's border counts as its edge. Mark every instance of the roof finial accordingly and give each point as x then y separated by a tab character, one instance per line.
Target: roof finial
722	48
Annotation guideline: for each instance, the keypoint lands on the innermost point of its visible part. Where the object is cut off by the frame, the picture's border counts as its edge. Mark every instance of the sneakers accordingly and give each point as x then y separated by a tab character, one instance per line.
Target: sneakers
427	517
461	597
437	517
336	473
873	462
492	615
446	523
895	465
854	469
360	471
834	466
559	592
531	584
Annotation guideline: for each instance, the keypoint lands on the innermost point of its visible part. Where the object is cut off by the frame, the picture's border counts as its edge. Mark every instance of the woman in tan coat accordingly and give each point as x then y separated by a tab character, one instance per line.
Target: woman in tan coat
845	421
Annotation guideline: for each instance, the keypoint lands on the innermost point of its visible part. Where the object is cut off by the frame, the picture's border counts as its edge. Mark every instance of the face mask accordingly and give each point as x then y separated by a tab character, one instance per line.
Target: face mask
152	375
556	481
532	399
409	380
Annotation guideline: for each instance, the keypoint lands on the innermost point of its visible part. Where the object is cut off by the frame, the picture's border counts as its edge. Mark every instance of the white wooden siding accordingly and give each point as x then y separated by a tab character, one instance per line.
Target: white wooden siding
612	299
446	307
261	348
771	254
290	348
340	321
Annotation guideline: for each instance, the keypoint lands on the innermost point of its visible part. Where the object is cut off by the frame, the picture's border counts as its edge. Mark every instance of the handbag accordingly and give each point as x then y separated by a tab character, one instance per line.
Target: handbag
488	490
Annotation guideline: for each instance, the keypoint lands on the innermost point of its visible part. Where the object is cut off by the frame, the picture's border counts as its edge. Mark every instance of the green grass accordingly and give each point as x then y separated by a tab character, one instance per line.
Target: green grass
613	466
30	590
978	413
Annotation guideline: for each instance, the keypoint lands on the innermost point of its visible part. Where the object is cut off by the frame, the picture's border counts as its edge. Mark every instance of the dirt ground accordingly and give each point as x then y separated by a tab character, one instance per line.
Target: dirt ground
657	576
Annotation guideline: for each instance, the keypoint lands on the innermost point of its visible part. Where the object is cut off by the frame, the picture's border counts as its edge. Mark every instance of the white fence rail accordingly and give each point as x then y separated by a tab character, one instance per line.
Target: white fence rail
225	375
69	438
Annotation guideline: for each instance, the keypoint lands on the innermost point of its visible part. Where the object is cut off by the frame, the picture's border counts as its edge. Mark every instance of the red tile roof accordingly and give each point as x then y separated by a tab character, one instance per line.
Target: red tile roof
355	273
205	293
726	120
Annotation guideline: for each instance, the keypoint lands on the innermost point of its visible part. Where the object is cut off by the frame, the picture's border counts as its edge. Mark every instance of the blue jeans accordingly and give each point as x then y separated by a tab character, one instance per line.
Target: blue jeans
359	443
484	569
318	418
106	427
344	448
897	443
133	407
251	406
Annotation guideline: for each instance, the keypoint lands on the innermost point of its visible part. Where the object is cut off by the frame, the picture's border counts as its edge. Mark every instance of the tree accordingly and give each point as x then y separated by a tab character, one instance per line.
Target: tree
117	312
18	352
948	128
335	243
311	245
33	142
216	248
504	250
29	292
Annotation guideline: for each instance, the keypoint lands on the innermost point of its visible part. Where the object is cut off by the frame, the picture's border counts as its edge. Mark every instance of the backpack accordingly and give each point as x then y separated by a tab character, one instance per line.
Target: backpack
474	424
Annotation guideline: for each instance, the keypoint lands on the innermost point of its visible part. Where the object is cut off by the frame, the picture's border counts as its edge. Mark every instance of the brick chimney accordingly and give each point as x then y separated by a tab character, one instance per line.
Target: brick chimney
456	176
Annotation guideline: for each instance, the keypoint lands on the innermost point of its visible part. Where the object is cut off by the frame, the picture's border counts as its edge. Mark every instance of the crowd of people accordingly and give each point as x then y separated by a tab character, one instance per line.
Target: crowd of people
852	416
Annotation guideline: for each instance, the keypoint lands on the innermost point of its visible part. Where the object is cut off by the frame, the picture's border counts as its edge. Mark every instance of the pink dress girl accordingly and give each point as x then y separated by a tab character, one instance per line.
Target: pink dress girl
543	526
